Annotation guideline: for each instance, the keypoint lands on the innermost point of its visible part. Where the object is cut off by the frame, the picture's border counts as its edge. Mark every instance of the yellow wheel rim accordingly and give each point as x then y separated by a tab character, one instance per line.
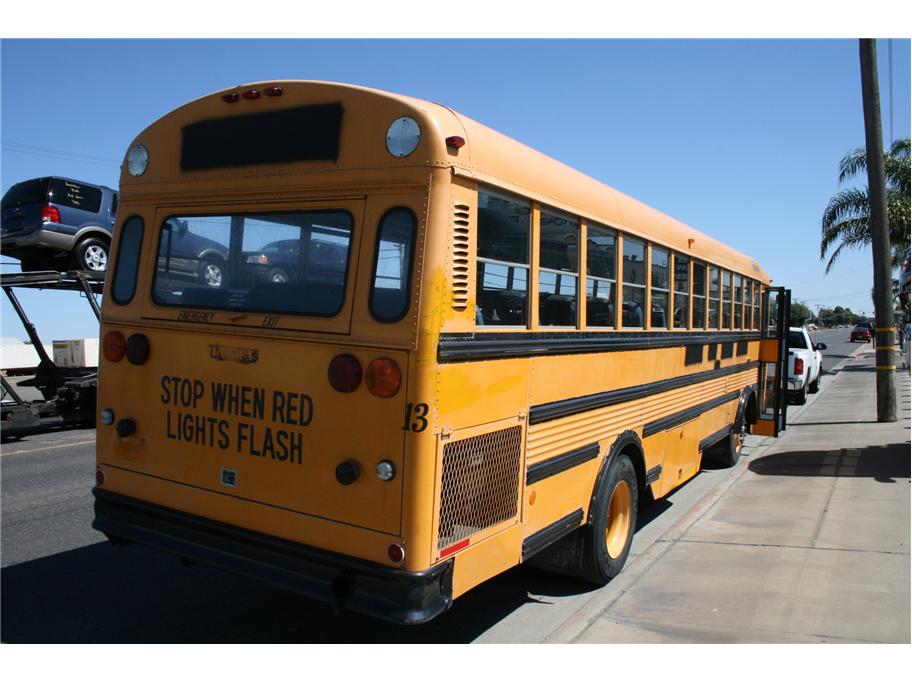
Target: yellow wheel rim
619	515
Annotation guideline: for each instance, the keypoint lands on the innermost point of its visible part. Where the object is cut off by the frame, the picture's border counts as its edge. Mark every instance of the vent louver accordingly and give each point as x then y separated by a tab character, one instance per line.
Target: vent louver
460	256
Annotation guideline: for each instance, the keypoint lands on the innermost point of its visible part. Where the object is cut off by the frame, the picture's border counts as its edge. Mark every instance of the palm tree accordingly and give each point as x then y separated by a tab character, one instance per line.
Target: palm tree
845	219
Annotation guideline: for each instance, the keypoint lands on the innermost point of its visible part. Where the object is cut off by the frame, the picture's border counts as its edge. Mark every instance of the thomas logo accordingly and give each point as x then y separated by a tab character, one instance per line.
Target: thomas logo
245	356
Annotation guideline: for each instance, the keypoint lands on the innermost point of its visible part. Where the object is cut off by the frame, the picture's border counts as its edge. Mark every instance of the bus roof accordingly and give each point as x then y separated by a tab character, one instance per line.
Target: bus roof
497	160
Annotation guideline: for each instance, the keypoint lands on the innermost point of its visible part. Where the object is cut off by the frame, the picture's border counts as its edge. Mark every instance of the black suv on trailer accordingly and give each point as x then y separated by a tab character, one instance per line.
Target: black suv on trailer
57	223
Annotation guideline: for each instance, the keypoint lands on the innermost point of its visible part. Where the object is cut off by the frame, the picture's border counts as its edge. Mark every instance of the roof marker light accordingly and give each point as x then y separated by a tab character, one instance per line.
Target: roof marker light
455	141
252	94
231	97
273	91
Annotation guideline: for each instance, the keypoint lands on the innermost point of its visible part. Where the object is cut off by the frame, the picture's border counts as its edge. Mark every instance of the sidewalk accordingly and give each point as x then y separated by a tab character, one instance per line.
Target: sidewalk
809	542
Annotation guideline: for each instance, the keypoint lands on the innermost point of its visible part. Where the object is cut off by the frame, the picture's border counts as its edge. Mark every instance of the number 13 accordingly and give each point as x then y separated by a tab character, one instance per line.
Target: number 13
419	413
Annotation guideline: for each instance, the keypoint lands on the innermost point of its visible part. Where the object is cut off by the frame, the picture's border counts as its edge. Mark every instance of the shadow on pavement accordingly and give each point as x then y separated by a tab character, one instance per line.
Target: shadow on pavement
884	463
101	593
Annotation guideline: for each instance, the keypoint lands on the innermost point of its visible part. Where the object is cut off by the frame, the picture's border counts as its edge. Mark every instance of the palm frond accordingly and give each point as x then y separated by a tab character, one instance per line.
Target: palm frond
853	163
848	203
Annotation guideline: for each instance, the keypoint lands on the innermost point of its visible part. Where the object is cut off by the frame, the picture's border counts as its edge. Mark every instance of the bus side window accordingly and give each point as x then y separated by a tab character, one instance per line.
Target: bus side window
503	261
392	281
601	281
634	290
558	253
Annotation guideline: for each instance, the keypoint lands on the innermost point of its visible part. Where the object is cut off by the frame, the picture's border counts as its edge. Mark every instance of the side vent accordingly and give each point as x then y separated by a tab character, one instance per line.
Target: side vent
460	256
479	486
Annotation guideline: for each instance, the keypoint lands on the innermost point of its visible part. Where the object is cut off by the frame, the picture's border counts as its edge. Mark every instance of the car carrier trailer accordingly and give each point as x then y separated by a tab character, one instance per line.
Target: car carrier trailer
68	392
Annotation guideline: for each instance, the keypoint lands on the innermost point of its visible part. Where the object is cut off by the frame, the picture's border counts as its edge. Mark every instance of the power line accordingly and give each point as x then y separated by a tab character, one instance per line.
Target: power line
34	150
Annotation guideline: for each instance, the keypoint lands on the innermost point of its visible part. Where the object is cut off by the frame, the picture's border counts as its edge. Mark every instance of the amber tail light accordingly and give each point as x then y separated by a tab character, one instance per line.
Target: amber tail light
383	377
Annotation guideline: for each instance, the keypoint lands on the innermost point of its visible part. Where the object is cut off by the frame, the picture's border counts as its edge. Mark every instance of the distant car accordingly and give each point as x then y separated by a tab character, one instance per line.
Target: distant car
187	255
57	223
861	333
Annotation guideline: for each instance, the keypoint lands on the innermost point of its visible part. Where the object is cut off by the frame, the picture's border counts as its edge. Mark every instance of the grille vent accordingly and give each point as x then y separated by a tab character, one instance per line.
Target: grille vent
460	256
479	487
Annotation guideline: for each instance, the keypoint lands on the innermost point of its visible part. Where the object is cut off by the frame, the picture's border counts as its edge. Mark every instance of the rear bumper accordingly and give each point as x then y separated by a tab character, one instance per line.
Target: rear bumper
405	597
40	238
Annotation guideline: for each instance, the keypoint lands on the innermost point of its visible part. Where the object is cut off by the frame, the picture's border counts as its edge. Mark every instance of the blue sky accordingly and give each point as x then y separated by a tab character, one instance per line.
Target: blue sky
739	138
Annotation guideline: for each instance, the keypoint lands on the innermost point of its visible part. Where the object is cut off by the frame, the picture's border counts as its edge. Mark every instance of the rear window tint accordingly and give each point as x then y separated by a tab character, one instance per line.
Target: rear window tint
75	195
29	192
797	340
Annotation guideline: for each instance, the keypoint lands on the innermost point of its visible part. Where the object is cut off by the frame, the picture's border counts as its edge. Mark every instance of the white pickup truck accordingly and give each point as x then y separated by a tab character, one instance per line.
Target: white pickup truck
805	364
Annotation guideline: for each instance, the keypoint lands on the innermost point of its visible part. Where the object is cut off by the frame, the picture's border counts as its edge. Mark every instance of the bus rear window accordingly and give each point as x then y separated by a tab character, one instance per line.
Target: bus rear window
293	263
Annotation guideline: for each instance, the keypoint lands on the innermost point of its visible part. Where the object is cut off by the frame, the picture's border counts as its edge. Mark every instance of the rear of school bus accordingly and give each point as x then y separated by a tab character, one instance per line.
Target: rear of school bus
265	392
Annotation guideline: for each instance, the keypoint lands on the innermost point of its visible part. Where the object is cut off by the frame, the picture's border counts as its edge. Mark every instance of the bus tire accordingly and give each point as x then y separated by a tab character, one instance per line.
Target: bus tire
727	451
607	538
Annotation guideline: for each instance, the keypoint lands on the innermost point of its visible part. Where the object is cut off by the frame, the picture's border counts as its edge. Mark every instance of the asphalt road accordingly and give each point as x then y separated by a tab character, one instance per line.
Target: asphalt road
839	347
61	581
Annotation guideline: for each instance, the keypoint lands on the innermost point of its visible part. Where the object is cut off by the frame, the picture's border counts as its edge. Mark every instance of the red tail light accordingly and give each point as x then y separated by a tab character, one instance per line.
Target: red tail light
137	349
114	346
799	366
345	373
50	214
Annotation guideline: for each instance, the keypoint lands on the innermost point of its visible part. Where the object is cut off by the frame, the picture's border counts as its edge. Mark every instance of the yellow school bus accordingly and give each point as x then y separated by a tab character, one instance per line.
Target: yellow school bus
360	346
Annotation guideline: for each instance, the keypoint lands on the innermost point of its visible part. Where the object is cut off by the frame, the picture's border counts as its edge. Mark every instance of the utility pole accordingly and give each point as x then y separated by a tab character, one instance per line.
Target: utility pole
884	330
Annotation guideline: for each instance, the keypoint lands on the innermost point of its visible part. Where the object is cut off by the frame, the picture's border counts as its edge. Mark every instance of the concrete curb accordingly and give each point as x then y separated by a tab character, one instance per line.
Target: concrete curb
577	624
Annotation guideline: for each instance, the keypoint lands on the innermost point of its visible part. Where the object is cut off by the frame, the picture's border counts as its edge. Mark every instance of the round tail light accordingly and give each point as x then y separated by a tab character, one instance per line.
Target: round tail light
345	373
383	377
396	553
137	349
114	346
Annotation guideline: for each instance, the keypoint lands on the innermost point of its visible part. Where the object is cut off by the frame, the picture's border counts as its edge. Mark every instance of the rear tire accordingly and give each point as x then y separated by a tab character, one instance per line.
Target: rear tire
802	395
727	451
815	385
92	254
607	539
